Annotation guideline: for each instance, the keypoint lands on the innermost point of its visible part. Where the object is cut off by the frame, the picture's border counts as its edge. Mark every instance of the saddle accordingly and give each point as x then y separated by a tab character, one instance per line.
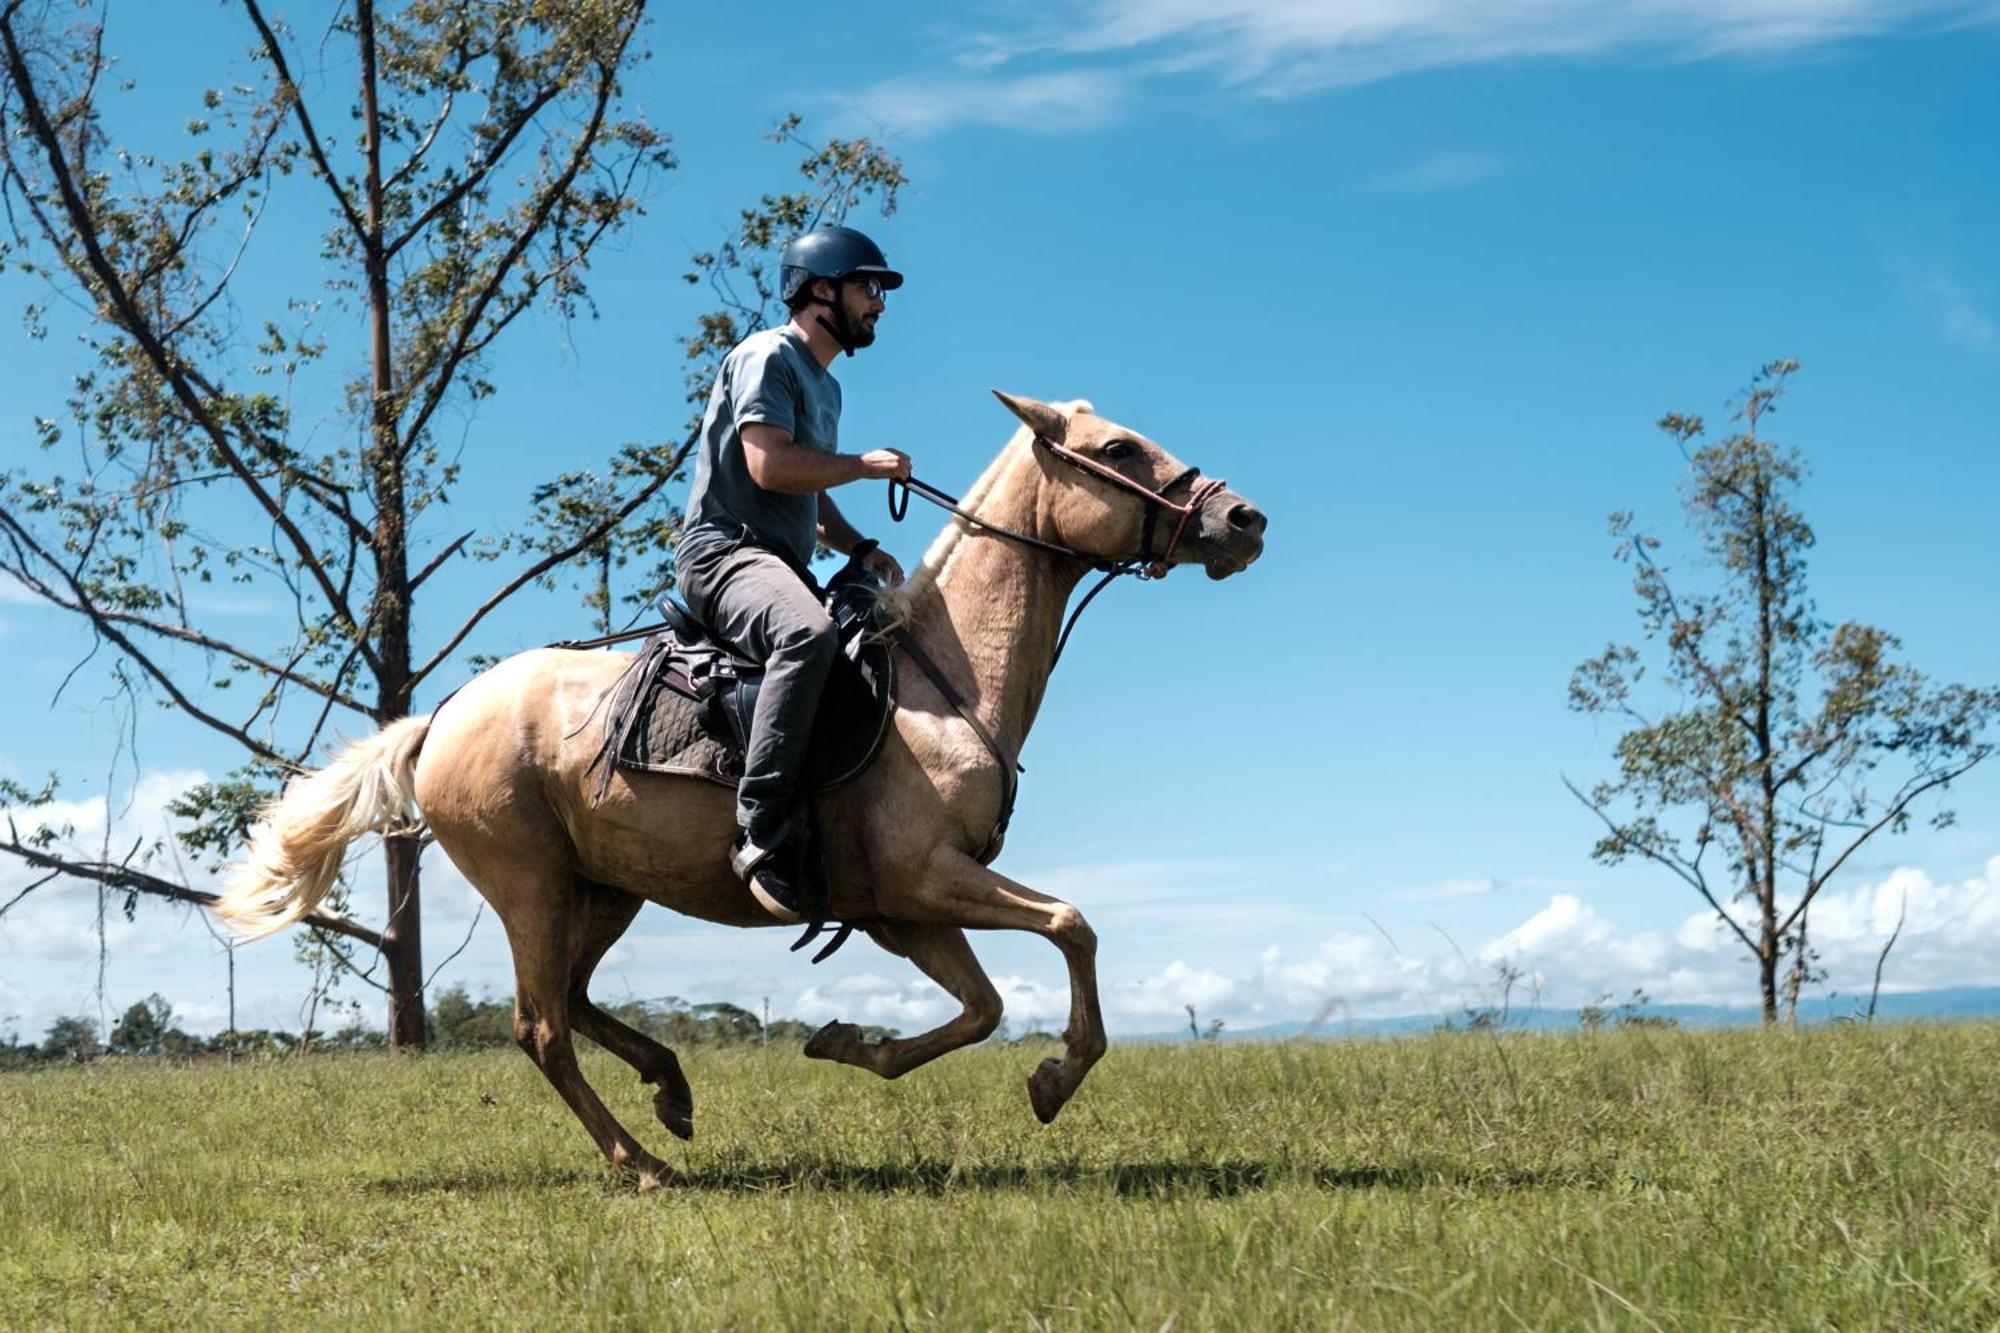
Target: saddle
685	704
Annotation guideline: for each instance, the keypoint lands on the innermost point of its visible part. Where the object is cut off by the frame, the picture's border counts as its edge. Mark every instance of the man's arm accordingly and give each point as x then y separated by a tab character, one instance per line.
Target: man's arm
834	530
779	463
842	536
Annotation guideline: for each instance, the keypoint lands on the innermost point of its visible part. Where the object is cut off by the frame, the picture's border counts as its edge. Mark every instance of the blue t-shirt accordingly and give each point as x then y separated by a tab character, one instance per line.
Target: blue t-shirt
770	377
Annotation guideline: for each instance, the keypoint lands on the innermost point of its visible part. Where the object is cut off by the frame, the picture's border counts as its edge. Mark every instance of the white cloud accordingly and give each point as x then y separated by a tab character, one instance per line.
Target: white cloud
916	1004
1217	898
1090	59
1951	934
910	1004
1361	975
1447	888
1567	954
59	921
1168	994
1958	315
1033	1005
15	593
1056	103
60	925
1290	47
1443	171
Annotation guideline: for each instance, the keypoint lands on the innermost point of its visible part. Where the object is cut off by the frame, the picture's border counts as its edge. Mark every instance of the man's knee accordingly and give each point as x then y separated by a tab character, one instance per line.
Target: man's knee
809	640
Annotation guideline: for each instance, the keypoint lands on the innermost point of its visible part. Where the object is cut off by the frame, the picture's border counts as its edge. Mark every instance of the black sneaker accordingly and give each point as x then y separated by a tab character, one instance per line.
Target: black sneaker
772	874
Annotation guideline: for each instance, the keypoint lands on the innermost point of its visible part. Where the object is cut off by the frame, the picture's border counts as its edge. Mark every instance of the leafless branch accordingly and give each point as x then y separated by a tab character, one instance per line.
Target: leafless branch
1695	880
97	267
113	875
417	154
1911	791
446	371
79	602
221	284
477	914
550	561
9	905
1708	673
437	560
1875	991
504	142
290	88
345	961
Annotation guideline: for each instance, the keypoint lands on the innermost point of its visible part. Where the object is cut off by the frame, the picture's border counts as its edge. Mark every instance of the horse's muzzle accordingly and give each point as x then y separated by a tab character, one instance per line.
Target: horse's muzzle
1231	536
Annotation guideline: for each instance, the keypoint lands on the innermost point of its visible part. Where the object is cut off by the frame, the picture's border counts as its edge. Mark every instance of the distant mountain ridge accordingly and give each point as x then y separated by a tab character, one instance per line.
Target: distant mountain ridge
1952	1004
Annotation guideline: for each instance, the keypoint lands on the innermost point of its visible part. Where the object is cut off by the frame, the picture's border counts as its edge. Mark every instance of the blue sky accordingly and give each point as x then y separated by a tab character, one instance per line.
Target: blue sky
1418	279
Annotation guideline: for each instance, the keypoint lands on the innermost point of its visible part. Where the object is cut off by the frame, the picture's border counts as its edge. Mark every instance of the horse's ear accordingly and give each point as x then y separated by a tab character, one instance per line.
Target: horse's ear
1042	419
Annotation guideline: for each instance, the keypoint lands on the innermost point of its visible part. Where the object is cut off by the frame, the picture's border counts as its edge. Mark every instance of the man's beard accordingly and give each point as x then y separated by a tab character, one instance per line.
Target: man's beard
860	330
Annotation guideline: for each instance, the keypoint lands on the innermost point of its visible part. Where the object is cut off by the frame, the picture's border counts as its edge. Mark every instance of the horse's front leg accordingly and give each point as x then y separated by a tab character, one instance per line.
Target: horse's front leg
963	892
943	955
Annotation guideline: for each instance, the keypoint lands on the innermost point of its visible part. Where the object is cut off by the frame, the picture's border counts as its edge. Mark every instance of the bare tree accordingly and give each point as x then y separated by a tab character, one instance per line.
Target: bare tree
1786	743
480	160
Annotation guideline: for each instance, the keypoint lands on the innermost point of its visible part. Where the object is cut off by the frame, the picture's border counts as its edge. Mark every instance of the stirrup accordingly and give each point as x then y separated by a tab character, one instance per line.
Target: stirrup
756	867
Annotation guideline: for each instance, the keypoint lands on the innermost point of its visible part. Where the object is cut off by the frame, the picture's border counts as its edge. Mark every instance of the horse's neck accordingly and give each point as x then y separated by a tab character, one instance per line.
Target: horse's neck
991	617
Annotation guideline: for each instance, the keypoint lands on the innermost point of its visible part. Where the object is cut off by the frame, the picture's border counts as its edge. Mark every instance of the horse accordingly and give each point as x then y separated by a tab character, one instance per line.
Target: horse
501	776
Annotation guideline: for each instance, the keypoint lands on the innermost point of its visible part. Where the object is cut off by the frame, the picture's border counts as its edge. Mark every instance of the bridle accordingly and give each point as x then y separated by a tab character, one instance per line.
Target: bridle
1145	566
1157	502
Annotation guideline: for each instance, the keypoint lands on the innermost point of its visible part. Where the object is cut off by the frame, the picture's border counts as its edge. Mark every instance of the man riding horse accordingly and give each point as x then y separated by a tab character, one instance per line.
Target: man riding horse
768	457
505	776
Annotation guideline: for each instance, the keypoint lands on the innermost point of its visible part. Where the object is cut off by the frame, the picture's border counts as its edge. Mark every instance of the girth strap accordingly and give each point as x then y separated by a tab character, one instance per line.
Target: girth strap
1010	783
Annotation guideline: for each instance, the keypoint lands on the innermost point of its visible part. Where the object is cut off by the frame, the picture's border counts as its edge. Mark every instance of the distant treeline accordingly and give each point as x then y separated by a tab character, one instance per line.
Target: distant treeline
455	1021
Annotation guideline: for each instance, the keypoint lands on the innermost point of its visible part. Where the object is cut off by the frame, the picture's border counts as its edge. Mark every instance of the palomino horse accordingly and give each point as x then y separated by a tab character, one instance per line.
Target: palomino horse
500	774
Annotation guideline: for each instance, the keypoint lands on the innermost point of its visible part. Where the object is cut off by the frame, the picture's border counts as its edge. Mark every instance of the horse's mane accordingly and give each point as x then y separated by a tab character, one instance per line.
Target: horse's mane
901	602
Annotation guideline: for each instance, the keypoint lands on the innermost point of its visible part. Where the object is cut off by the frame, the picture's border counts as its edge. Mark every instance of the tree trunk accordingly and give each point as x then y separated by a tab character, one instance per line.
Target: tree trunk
1767	833
1767	976
403	944
403	940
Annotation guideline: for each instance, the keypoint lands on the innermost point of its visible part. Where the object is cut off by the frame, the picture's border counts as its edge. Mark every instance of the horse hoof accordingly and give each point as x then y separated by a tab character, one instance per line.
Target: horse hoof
1045	1092
831	1040
649	1174
678	1117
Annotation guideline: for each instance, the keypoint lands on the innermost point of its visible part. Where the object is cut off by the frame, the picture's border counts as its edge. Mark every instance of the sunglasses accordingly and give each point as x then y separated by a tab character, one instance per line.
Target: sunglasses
872	286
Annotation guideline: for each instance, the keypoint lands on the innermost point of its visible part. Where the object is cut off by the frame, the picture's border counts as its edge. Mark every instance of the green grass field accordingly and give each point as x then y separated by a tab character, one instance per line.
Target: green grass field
1844	1177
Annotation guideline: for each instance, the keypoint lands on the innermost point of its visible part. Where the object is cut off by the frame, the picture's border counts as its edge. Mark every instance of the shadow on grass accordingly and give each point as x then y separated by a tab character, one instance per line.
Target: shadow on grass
1215	1180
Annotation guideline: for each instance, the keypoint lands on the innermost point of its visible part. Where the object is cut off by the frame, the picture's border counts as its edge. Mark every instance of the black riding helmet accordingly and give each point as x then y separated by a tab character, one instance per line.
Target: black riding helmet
837	254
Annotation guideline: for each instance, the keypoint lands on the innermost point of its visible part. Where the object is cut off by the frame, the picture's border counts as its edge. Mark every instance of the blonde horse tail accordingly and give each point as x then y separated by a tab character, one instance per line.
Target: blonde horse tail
296	849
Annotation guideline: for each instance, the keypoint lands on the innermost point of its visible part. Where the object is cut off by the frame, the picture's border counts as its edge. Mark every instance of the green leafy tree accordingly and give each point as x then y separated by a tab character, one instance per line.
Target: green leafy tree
72	1037
481	157
1783	743
147	1028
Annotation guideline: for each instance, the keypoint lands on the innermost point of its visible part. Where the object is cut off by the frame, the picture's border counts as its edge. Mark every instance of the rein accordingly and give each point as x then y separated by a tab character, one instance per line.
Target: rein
1144	566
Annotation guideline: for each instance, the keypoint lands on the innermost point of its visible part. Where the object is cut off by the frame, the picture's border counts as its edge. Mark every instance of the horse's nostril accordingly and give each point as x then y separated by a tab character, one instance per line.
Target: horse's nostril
1246	517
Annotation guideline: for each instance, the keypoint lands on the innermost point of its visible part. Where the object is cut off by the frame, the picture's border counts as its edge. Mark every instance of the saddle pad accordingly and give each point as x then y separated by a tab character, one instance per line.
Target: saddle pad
669	739
667	736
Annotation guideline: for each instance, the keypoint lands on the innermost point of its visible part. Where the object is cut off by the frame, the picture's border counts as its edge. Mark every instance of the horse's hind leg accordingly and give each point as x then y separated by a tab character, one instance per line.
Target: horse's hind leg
543	924
944	956
604	915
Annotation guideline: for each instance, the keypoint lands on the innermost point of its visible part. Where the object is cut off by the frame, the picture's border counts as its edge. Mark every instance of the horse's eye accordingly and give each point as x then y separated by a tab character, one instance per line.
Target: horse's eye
1119	449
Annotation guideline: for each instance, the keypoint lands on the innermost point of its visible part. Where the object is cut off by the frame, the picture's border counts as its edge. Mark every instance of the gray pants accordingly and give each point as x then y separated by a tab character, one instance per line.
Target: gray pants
754	602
